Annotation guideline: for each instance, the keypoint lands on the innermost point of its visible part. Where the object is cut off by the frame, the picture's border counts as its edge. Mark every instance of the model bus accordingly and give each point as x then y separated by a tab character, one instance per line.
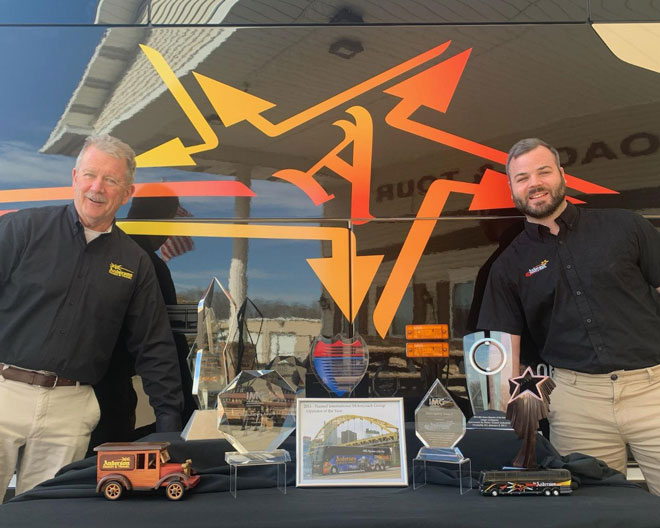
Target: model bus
524	482
340	459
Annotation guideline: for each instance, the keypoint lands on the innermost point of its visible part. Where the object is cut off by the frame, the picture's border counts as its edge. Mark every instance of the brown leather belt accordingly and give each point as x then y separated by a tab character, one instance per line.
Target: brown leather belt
33	377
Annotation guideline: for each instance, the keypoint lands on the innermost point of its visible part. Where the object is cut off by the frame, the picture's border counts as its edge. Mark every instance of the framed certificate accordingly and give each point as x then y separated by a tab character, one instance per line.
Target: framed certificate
350	442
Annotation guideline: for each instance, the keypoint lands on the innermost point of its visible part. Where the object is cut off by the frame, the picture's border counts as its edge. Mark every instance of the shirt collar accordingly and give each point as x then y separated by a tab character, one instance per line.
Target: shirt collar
76	224
567	220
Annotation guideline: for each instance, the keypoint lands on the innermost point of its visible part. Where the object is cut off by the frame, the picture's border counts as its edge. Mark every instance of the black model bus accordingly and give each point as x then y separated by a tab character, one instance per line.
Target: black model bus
547	482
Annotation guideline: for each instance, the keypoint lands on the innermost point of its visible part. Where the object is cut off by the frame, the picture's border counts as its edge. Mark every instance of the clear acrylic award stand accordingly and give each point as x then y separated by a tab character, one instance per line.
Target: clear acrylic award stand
444	457
279	458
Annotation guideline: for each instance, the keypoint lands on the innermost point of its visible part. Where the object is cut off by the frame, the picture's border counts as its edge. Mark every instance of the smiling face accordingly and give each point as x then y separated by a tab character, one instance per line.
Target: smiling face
537	184
99	188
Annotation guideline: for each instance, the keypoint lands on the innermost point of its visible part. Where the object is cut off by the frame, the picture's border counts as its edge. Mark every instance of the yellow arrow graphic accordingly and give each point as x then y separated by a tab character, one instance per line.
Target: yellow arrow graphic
233	106
174	153
335	272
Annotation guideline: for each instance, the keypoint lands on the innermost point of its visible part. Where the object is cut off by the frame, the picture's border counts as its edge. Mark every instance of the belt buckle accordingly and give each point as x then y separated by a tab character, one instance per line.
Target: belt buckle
55	383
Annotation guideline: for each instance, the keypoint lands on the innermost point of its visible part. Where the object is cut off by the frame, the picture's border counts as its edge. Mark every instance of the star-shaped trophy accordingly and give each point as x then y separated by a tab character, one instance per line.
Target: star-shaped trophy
529	403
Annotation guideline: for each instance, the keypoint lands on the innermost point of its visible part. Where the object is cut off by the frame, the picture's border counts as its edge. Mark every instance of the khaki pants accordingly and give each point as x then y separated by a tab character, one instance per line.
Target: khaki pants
598	414
42	430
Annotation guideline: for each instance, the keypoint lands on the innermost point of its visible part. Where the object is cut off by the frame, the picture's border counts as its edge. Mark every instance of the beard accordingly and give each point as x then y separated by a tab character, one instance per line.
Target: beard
556	194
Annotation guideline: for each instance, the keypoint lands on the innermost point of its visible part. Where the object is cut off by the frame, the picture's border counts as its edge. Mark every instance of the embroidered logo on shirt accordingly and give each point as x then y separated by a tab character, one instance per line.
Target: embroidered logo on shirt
543	265
120	271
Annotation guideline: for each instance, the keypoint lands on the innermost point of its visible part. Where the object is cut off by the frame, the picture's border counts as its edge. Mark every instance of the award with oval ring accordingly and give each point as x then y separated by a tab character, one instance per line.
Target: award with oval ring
488	367
440	425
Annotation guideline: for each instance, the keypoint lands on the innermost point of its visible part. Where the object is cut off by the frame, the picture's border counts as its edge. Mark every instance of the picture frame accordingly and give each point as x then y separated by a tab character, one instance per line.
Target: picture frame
350	442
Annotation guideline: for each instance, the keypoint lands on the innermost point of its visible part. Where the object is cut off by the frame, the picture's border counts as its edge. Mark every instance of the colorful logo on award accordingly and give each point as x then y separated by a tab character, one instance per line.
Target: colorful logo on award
340	363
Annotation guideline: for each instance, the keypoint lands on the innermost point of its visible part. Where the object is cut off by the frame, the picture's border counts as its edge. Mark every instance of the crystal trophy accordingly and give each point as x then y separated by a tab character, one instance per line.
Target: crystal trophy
440	425
256	412
488	367
214	360
339	363
250	322
292	370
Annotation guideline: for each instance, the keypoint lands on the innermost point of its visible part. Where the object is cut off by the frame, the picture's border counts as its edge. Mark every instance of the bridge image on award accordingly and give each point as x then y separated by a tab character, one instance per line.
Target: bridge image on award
353	442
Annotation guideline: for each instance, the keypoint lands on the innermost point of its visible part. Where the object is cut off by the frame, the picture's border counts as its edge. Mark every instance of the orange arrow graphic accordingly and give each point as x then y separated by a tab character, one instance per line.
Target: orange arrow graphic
233	105
142	190
413	249
493	192
435	88
336	273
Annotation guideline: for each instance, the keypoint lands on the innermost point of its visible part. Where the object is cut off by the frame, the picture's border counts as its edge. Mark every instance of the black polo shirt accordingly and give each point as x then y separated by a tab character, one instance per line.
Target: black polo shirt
64	303
587	295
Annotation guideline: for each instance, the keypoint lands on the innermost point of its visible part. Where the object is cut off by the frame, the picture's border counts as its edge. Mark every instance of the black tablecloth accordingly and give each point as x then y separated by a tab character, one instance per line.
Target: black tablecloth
603	498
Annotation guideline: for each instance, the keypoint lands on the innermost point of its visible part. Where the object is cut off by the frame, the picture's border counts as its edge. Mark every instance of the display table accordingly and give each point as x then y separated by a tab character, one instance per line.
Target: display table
604	498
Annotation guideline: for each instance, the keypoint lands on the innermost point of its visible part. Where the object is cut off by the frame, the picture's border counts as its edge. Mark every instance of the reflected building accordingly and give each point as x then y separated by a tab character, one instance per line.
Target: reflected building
356	163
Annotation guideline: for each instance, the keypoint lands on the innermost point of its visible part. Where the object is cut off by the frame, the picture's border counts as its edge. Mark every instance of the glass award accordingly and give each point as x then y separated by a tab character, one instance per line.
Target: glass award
339	363
440	425
292	370
488	367
256	412
250	323
214	360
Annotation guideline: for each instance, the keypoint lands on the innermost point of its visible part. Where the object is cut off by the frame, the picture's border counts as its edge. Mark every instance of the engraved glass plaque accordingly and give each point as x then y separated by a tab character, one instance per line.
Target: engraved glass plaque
339	363
488	367
256	412
440	425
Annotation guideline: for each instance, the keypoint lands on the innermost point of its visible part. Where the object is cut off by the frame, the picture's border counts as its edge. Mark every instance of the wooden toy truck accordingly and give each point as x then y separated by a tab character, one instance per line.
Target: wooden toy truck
141	466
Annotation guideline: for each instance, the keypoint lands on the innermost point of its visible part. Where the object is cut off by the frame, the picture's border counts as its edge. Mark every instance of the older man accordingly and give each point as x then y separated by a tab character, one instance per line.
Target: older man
584	283
71	283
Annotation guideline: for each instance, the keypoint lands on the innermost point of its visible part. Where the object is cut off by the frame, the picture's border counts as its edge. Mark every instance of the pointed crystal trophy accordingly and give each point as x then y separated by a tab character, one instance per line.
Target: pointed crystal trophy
440	425
488	367
250	322
256	412
214	360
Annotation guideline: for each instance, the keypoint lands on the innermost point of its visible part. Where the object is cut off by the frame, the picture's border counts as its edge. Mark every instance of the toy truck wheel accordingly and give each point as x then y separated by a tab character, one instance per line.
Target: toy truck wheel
547	493
113	489
494	493
175	490
555	492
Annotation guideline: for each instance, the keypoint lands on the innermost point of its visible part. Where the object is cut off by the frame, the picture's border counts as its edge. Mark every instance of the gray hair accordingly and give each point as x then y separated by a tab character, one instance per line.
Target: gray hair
114	147
525	145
